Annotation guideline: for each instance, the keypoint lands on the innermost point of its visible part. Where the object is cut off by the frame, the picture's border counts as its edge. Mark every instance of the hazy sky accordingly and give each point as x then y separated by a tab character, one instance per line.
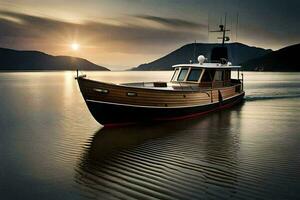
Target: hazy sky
125	33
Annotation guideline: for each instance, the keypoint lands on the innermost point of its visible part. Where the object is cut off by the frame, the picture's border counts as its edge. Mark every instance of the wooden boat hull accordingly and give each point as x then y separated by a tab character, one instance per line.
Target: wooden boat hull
110	114
117	108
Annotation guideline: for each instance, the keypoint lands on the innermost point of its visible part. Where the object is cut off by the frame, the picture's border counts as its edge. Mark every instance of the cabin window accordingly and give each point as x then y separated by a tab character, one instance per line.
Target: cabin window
219	76
194	75
208	76
175	75
182	74
102	91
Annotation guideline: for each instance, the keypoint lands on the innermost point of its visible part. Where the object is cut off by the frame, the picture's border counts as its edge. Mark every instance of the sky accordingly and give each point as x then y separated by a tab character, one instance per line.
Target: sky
121	34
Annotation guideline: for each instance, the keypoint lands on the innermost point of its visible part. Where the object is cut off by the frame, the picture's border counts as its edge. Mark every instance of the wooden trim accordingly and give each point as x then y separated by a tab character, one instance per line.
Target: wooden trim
158	107
174	74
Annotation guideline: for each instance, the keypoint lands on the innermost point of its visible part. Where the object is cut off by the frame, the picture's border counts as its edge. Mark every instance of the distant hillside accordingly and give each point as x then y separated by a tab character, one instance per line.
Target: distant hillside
35	60
238	53
285	59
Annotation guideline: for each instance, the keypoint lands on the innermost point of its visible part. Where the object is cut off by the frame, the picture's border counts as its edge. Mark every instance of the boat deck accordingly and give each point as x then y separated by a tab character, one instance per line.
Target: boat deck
169	86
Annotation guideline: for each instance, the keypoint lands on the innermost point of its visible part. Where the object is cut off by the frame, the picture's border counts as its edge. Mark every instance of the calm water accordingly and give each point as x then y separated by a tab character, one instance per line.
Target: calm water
52	148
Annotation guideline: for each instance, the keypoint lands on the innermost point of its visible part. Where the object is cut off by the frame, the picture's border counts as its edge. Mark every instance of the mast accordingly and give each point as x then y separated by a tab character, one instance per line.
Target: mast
223	30
220	54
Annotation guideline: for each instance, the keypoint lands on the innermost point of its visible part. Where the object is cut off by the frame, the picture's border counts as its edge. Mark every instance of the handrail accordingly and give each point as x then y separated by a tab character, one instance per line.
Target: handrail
204	90
242	82
211	92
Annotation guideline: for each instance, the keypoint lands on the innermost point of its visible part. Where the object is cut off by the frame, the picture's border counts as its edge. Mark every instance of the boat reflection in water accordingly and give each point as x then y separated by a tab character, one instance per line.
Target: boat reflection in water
188	159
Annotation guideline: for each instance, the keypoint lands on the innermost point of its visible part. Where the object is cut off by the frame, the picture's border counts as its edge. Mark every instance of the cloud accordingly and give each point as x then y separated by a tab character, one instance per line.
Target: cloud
100	33
172	22
101	41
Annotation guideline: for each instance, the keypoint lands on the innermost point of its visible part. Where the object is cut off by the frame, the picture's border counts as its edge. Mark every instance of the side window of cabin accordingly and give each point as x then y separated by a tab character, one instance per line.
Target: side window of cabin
208	76
175	75
182	74
194	75
219	76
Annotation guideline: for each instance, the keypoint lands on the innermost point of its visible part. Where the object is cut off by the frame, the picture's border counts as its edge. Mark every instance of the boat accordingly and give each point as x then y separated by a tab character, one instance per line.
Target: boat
194	89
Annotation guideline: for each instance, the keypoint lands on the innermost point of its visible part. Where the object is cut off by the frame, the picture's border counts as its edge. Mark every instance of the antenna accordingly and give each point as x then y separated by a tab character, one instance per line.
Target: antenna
194	59
208	27
231	27
224	32
237	26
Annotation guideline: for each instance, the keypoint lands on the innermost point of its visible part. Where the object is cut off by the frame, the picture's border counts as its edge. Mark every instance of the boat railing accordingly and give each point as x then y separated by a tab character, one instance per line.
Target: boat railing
242	82
180	86
209	90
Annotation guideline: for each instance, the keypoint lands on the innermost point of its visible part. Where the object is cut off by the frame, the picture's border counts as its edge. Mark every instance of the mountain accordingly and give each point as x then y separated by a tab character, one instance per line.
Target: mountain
35	60
237	52
285	59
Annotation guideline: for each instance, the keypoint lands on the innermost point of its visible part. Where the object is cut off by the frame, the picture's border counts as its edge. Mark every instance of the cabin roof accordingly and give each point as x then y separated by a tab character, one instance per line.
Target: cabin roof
208	66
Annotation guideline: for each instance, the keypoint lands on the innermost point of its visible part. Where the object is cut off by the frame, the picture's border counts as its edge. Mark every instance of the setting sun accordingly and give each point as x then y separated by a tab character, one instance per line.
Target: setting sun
75	46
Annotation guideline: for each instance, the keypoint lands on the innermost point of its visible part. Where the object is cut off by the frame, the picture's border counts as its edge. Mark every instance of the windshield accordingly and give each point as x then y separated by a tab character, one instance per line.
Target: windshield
182	74
194	75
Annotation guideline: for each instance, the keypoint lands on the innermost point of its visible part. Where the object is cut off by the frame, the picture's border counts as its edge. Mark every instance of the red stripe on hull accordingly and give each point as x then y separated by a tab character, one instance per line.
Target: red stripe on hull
198	114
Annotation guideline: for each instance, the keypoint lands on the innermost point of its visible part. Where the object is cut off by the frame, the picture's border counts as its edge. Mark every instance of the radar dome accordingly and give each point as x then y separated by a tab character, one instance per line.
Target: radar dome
201	59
